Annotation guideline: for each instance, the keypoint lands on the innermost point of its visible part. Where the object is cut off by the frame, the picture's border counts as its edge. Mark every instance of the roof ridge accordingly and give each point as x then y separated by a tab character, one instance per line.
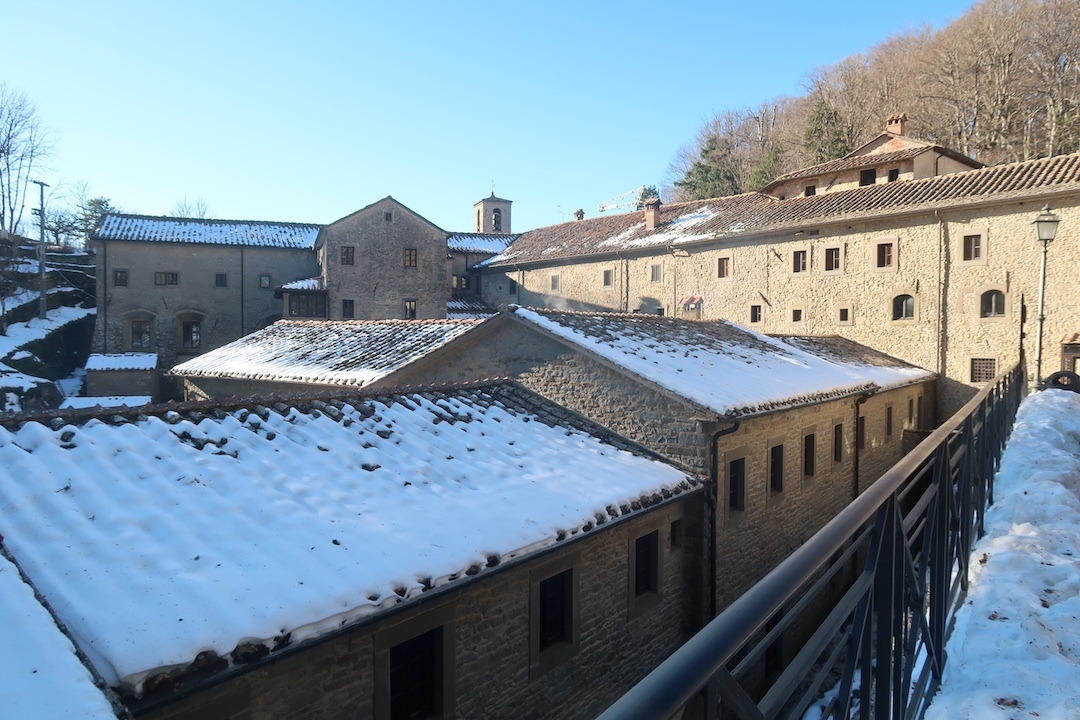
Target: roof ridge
210	221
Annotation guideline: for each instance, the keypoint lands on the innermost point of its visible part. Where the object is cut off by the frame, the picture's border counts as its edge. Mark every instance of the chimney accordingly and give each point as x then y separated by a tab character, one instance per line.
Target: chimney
579	214
896	124
652	213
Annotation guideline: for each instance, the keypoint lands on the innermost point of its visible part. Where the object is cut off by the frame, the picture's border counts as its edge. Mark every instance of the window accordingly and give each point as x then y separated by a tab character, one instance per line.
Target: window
312	306
410	257
798	261
556	609
808	455
512	287
348	255
192	334
972	247
860	432
166	278
409	310
885	255
894	174
655	273
723	267
221	279
992	304
737	484
416	676
776	468
918	411
888	420
646	564
140	334
120	278
496	220
677	531
555	283
983	369
660	312
910	411
347	312
868	177
810	190
264	281
838	442
388	216
755	313
796	315
608	278
844	315
832	259
903	307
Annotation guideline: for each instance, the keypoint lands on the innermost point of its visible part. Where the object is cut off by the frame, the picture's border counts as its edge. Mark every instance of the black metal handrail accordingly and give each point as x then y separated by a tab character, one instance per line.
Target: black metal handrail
865	606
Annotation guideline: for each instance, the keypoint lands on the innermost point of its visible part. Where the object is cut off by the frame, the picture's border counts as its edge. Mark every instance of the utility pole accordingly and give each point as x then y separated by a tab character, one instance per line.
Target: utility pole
43	300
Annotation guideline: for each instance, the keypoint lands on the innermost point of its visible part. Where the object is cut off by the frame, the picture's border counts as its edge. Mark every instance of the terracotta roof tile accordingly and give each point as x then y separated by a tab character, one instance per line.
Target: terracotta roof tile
142	228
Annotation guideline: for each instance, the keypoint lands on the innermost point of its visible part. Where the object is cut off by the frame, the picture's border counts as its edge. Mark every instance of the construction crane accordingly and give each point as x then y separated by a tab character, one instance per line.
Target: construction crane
623	202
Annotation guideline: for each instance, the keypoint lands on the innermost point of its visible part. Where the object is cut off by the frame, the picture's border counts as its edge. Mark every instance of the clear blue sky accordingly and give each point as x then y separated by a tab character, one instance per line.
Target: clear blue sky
273	111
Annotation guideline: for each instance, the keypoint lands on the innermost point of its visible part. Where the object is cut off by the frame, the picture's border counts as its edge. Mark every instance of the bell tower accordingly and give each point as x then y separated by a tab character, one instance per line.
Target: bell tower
492	215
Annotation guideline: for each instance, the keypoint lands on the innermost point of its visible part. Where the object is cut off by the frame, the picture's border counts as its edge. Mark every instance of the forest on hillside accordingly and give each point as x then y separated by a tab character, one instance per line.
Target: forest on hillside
1000	83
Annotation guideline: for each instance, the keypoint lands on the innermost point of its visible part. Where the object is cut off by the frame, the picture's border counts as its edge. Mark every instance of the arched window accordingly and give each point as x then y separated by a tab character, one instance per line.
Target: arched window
496	220
903	307
993	304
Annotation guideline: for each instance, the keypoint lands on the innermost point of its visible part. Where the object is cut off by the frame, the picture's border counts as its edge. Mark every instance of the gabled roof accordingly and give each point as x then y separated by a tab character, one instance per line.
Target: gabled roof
253	528
388	198
756	213
143	228
722	367
350	353
479	242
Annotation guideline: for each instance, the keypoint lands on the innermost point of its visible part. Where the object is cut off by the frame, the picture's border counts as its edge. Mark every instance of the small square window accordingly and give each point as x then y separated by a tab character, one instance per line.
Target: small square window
264	281
609	277
809	452
972	247
810	190
983	370
776	468
798	261
796	315
410	257
221	279
755	313
348	255
120	278
868	177
894	174
844	315
886	255
409	310
388	216
660	312
723	267
347	310
832	259
737	484
655	273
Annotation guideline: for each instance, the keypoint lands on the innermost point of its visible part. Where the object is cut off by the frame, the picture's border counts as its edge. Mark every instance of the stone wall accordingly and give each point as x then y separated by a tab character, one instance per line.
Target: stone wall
121	382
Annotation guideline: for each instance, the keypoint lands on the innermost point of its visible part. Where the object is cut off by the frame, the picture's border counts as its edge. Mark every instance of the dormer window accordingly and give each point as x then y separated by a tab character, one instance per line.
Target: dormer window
894	174
810	190
868	177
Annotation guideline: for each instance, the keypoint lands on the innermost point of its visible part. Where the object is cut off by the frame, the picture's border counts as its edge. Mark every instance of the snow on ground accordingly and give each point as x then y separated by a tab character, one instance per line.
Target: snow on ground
19	334
106	401
1015	652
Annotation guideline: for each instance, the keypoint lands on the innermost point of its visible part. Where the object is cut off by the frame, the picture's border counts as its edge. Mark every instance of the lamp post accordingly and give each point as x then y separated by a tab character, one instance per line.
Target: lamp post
1045	229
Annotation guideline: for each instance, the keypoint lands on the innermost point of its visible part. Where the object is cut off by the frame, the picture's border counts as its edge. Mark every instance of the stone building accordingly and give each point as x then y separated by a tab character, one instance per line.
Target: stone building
941	271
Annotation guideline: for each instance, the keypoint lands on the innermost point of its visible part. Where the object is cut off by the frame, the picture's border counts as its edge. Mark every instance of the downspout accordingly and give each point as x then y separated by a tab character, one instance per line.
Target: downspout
710	509
243	330
105	299
941	327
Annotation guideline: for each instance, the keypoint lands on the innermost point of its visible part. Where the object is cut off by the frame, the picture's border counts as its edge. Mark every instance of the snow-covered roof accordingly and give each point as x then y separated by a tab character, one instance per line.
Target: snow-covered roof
463	308
106	401
159	536
142	228
315	283
40	675
328	352
121	361
479	242
723	367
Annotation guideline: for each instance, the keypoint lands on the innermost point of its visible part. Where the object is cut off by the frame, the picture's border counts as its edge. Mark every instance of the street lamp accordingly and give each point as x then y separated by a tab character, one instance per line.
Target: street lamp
1045	230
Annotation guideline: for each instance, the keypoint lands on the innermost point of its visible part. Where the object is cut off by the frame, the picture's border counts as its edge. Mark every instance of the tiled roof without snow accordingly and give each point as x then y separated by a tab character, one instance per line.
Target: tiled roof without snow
468	308
142	228
741	215
254	528
350	353
725	368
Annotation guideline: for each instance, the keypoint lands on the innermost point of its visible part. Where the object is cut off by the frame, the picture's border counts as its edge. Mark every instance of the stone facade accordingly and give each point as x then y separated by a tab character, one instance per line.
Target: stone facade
492	667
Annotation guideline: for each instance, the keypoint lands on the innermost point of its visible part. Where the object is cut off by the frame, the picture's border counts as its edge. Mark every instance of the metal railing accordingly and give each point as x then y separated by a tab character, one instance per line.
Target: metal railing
855	619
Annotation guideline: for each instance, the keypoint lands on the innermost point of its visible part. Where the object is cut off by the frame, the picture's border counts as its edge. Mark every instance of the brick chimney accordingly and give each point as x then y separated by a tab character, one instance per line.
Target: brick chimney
896	124
652	213
579	214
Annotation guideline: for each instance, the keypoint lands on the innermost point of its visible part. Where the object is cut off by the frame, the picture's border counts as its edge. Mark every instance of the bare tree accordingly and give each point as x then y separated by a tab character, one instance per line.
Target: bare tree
197	208
23	145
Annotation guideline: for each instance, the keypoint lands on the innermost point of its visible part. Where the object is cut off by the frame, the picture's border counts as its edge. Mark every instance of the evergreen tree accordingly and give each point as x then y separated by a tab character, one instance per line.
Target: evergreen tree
768	170
824	137
714	174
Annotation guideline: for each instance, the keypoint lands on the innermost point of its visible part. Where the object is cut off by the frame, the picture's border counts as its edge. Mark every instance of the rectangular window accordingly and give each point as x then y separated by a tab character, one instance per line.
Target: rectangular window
894	174
416	676
755	313
221	279
554	283
310	306
983	369
888	420
796	315
556	609
798	261
655	273
810	190
723	267
832	259
918	411
860	432
140	334
166	278
868	177
409	310
192	334
972	247
388	216
737	484
347	311
776	468
808	455
677	530
264	281
910	411
348	255
838	442
608	278
885	255
410	257
120	278
512	287
844	315
647	564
